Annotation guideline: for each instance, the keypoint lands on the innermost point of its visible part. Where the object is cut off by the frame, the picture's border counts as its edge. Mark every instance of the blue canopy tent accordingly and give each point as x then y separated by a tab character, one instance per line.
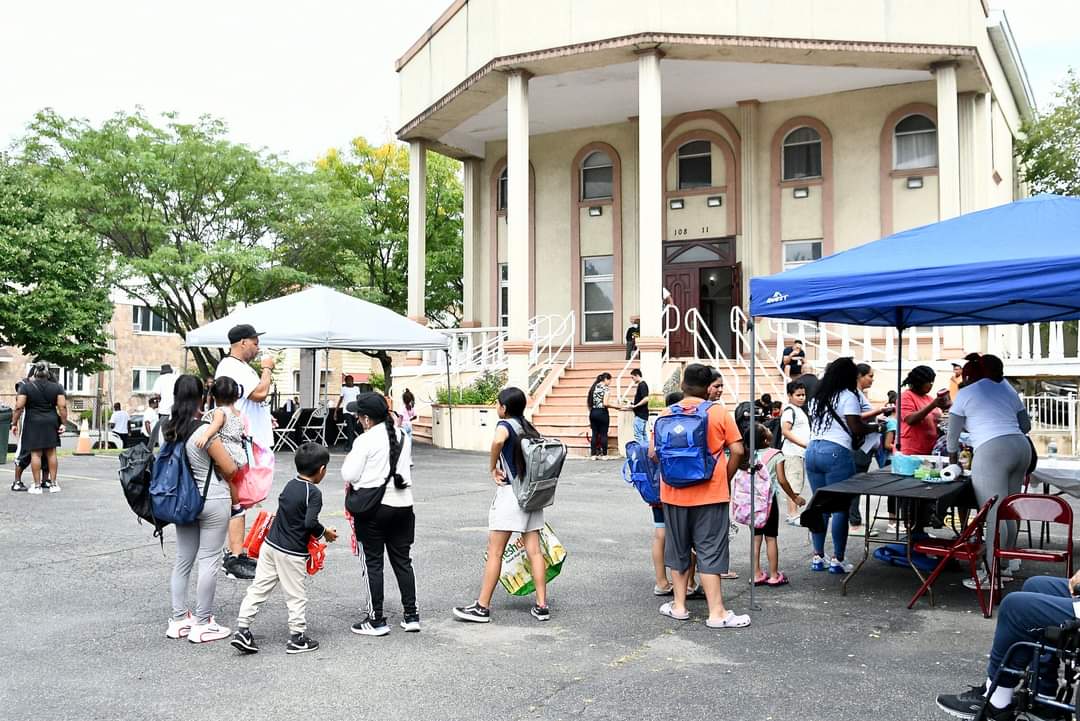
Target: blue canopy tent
1016	263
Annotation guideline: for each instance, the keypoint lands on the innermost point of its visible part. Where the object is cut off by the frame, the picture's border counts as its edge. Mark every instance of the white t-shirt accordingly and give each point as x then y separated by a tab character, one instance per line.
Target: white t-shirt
163	387
989	410
845	403
257	412
800	427
150	419
368	463
348	395
120	421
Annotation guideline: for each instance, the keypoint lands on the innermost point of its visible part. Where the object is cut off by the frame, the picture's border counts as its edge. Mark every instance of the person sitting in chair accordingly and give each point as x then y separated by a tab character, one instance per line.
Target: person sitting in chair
1044	601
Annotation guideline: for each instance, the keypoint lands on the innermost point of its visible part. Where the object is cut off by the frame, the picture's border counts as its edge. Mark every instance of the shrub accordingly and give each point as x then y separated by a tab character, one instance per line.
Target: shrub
377	381
483	391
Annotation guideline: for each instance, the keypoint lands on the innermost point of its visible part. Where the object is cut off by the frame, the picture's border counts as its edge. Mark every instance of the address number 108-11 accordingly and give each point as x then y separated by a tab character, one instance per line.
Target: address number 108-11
686	231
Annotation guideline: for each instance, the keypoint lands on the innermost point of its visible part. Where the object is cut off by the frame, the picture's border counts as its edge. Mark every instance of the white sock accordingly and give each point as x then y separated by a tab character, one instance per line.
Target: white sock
1001	697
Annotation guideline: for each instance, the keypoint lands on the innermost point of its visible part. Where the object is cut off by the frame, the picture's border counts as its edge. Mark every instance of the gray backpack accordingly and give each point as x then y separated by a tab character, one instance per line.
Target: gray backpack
535	488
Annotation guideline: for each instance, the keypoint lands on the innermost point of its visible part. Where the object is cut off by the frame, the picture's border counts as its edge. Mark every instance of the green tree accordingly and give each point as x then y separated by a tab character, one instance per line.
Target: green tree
1049	146
188	217
54	279
353	231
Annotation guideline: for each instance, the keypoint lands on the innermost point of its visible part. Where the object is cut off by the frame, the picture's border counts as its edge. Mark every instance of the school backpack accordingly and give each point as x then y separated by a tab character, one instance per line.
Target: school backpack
174	494
136	470
681	440
774	426
544	457
640	472
760	488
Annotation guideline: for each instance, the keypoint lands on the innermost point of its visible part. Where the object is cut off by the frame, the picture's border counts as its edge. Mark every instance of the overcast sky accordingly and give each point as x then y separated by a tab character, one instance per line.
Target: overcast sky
295	77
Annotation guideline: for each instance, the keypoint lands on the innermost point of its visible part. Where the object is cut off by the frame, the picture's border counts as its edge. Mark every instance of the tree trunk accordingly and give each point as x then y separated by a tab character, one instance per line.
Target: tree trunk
387	366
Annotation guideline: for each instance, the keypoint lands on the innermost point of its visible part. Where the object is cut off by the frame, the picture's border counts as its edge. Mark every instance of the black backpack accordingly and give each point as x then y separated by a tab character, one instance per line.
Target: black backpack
136	470
773	424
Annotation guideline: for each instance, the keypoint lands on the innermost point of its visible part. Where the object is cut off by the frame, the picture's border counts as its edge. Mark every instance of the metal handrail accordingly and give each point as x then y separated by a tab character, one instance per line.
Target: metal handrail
668	329
740	325
703	343
544	346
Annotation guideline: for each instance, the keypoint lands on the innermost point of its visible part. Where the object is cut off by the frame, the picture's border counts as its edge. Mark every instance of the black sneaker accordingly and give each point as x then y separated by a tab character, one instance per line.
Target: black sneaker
411	624
541	613
19	487
371	627
474	612
244	642
300	643
46	484
964	705
236	568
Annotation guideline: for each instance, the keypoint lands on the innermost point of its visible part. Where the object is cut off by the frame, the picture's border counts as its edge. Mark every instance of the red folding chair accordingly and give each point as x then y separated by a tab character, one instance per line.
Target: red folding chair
1032	507
968	547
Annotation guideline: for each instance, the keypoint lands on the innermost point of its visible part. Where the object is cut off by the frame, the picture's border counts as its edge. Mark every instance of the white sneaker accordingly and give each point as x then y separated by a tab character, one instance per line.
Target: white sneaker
412	625
35	491
53	488
205	632
837	566
984	581
179	627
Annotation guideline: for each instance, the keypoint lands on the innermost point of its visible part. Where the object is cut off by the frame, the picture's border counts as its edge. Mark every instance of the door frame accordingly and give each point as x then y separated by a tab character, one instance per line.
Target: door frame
724	248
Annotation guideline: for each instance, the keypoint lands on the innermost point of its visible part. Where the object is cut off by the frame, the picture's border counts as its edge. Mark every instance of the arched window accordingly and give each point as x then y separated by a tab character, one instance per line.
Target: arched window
500	201
695	164
915	143
802	154
596	176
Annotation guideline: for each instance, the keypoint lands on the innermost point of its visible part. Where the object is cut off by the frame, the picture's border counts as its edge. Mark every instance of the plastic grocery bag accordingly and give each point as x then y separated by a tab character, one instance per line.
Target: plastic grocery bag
516	576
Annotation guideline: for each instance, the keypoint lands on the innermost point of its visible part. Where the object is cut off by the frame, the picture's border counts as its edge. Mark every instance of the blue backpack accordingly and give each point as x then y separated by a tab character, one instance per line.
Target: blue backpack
174	494
681	440
640	472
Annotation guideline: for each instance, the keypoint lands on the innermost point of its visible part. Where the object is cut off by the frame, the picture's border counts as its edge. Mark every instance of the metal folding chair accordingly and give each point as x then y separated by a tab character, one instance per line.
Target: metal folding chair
1032	507
315	428
283	436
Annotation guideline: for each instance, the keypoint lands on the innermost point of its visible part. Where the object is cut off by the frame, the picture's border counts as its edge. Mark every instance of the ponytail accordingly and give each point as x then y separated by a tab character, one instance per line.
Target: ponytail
528	430
395	452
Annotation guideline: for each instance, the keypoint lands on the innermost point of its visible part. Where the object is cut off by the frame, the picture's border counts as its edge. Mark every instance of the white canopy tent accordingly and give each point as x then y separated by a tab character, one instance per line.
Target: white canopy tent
323	318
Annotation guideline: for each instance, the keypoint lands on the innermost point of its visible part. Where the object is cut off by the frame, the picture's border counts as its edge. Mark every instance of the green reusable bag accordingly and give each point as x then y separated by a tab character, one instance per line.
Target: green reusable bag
516	576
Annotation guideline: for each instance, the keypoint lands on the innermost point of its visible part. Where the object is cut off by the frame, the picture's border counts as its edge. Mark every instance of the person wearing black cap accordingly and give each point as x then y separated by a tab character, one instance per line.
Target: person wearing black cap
920	412
254	390
380	462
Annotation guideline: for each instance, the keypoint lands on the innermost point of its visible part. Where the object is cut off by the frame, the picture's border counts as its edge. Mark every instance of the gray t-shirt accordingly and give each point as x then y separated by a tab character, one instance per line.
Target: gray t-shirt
200	464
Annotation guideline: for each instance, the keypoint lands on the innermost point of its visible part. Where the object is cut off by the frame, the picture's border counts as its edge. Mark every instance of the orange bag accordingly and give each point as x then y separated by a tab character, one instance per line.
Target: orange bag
316	555
257	533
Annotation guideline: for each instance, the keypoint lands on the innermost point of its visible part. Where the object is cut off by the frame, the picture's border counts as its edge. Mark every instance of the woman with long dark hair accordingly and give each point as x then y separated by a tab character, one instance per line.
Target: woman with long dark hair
43	401
599	418
381	457
836	427
202	540
506	517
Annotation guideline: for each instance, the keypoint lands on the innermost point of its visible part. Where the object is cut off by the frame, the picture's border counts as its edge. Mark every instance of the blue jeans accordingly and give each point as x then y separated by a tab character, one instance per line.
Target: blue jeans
1044	601
828	463
639	432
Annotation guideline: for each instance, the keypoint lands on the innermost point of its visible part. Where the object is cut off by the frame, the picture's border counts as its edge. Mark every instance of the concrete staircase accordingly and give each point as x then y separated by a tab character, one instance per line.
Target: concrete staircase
564	414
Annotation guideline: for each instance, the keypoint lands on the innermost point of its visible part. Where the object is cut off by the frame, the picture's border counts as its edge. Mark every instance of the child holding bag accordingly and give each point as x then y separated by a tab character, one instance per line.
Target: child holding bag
506	517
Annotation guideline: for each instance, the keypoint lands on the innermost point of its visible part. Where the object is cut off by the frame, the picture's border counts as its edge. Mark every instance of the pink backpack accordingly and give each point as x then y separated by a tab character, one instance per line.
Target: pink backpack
761	487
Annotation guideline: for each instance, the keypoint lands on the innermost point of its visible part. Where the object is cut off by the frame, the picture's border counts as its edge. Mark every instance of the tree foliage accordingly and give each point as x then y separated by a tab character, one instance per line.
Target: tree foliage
54	279
1049	148
187	216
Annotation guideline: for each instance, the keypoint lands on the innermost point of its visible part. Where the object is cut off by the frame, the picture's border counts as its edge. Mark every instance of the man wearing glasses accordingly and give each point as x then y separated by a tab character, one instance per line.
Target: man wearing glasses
254	389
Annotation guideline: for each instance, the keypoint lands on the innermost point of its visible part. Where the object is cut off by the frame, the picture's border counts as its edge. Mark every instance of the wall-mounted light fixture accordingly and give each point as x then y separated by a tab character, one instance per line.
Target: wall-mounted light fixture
801	192
596	210
914	182
714	201
676	203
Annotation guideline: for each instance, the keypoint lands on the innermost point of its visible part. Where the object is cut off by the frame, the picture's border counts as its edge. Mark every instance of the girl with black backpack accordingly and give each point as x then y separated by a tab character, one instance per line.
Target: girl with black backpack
378	496
506	517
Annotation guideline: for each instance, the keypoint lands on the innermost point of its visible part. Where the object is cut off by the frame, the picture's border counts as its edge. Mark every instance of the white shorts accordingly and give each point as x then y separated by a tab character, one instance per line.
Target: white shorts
506	515
795	470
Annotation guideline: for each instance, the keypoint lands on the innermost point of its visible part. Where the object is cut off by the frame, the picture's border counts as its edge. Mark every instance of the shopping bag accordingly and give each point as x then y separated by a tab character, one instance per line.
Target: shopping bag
257	533
253	481
516	576
316	555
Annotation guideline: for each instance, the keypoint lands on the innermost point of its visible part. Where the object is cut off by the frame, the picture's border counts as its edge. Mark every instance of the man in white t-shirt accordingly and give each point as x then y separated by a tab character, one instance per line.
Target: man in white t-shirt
119	422
254	389
163	389
349	393
150	418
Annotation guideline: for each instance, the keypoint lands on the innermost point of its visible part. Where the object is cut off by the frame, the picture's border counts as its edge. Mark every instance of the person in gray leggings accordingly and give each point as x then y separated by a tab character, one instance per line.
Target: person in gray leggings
991	412
200	542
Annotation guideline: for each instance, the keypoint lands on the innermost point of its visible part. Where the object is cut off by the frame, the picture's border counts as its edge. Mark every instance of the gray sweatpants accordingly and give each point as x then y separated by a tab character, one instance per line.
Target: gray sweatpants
201	541
998	469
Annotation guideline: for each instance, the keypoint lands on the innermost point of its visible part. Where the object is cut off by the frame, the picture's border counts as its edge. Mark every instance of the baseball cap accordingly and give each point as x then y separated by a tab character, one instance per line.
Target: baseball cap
239	332
958	363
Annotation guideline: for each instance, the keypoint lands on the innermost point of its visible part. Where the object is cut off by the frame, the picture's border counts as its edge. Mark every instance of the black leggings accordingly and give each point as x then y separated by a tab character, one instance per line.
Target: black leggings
392	529
599	420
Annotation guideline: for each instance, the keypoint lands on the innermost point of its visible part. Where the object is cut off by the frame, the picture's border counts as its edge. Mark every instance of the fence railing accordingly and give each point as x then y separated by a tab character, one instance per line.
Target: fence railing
553	339
1054	417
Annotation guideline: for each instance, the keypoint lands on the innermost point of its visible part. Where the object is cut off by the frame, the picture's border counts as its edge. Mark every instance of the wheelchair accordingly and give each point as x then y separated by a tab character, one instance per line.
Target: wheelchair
1050	684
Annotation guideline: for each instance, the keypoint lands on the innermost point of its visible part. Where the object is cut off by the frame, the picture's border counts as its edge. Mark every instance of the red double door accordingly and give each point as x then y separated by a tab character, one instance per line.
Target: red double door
710	288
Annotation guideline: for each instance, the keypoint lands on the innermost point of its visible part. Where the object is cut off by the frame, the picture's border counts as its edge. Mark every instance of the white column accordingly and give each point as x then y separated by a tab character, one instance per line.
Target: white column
966	140
518	346
948	141
470	216
417	228
650	226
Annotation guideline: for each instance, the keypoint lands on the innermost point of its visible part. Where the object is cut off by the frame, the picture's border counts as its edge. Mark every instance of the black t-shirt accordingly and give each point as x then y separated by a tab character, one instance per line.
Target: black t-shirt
796	364
641	394
632	334
297	518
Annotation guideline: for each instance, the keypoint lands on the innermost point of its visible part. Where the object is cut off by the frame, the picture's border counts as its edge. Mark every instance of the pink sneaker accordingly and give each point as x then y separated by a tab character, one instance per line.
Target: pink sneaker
179	627
204	632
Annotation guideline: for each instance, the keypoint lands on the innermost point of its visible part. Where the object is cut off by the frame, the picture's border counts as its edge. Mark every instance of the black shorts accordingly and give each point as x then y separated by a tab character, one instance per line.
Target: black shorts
771	529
